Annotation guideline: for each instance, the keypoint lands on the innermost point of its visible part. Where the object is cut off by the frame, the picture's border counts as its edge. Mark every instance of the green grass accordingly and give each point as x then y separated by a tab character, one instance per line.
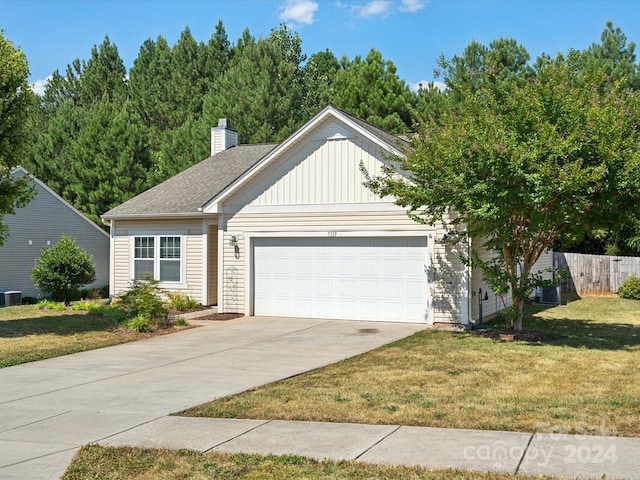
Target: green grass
587	380
29	333
129	463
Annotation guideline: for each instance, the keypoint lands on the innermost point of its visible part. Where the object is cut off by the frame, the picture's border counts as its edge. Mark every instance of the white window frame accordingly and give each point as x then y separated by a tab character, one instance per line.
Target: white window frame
156	256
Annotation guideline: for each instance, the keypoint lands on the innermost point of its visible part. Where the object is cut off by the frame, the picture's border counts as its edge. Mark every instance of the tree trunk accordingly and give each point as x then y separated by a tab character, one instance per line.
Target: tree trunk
518	306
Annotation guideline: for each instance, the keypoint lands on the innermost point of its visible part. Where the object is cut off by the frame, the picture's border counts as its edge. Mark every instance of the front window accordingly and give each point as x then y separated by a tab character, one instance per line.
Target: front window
143	257
170	259
159	256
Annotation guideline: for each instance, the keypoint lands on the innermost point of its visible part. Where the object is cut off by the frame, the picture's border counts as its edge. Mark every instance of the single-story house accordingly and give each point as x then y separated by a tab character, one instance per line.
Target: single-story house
289	229
40	224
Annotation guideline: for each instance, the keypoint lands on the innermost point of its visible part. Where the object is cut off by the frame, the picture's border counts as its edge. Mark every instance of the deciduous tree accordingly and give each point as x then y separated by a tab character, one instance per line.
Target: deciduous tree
15	100
524	164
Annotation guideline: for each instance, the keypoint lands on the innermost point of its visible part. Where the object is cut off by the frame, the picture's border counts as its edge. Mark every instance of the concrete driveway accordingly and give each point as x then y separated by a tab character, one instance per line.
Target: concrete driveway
50	408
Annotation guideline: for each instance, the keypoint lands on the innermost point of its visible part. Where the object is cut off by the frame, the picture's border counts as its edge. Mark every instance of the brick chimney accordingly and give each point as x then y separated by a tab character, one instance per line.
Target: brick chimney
223	136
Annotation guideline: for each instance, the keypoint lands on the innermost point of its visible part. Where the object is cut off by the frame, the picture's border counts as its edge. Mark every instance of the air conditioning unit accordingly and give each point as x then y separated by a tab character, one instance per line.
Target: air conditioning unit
10	298
550	295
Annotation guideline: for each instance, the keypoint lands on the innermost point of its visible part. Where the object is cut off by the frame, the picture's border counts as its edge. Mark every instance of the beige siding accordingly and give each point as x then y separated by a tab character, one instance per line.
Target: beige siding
450	292
317	172
192	252
321	177
447	296
494	303
545	262
213	265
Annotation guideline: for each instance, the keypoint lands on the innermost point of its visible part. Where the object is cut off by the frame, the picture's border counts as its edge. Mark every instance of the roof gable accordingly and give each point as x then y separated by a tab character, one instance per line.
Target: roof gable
43	187
337	125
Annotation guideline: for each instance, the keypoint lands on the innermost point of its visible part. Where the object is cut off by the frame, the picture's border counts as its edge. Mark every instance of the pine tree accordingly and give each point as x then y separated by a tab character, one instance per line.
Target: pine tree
371	89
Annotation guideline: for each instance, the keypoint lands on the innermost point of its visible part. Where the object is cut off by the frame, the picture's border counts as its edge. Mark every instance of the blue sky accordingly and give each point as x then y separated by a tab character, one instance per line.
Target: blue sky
411	33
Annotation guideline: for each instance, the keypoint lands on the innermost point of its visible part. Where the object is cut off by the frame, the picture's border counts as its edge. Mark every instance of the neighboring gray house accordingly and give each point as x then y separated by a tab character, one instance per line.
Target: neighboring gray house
290	229
40	224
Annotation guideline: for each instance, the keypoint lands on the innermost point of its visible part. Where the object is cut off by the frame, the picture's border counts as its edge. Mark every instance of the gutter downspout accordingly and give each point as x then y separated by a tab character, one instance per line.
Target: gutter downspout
112	247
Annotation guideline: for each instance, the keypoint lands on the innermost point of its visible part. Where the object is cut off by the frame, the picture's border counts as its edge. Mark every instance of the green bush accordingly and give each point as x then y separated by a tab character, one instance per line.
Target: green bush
181	321
630	288
138	324
30	300
145	299
50	305
181	302
93	293
62	269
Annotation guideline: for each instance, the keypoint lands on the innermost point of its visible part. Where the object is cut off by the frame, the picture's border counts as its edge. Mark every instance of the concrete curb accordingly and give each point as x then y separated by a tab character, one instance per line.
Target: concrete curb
575	456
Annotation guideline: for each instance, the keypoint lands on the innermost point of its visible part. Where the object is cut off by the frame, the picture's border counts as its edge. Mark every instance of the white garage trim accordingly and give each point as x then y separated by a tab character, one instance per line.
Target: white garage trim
415	307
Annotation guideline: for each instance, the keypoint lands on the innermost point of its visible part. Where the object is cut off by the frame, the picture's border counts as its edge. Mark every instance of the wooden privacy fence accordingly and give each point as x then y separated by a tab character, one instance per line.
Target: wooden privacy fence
595	274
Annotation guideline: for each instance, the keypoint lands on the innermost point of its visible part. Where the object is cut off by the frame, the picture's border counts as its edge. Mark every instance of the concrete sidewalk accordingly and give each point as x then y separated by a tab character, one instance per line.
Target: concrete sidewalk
572	456
50	408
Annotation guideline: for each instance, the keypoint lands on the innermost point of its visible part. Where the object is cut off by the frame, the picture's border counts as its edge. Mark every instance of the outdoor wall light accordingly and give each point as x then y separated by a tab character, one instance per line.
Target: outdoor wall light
233	241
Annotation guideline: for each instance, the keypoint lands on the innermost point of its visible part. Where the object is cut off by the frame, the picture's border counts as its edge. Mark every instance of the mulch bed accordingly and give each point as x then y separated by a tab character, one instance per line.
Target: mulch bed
511	336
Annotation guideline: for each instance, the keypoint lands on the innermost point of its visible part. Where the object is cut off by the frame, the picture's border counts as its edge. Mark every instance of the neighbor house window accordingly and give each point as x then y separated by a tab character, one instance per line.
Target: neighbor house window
159	256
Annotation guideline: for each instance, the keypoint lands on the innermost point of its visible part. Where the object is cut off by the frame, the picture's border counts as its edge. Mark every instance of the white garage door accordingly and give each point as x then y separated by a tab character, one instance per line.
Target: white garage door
345	278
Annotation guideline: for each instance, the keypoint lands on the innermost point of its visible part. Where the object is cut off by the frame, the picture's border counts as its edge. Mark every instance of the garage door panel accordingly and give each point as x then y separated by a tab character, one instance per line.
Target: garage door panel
350	278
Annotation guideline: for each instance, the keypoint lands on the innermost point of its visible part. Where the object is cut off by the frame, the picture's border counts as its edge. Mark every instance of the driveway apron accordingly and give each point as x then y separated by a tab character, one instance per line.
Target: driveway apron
50	408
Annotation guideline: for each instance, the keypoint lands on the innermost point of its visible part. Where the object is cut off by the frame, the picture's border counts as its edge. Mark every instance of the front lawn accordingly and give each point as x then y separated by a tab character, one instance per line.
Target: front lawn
120	463
28	333
586	379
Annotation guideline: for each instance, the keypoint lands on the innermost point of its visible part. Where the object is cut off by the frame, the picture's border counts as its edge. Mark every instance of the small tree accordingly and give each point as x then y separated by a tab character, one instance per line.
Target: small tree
62	269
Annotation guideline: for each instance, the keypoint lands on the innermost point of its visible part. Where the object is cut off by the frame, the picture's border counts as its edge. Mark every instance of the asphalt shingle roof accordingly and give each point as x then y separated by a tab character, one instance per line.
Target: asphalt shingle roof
191	189
395	141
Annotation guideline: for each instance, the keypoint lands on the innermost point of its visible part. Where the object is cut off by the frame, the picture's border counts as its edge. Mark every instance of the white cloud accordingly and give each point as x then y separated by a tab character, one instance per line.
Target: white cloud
299	12
425	83
39	85
412	5
375	8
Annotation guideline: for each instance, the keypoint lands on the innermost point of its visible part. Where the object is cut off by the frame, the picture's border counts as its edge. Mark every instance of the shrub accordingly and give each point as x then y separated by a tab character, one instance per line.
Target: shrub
145	299
93	293
30	300
181	321
50	305
630	288
181	302
62	269
138	324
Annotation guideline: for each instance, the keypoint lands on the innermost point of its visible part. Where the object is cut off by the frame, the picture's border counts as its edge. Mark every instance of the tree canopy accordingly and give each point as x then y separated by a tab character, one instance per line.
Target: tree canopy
15	100
174	94
100	135
524	162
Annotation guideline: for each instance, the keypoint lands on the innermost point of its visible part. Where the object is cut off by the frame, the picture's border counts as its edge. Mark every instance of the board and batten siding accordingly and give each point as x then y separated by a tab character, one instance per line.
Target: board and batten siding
317	172
193	262
40	224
